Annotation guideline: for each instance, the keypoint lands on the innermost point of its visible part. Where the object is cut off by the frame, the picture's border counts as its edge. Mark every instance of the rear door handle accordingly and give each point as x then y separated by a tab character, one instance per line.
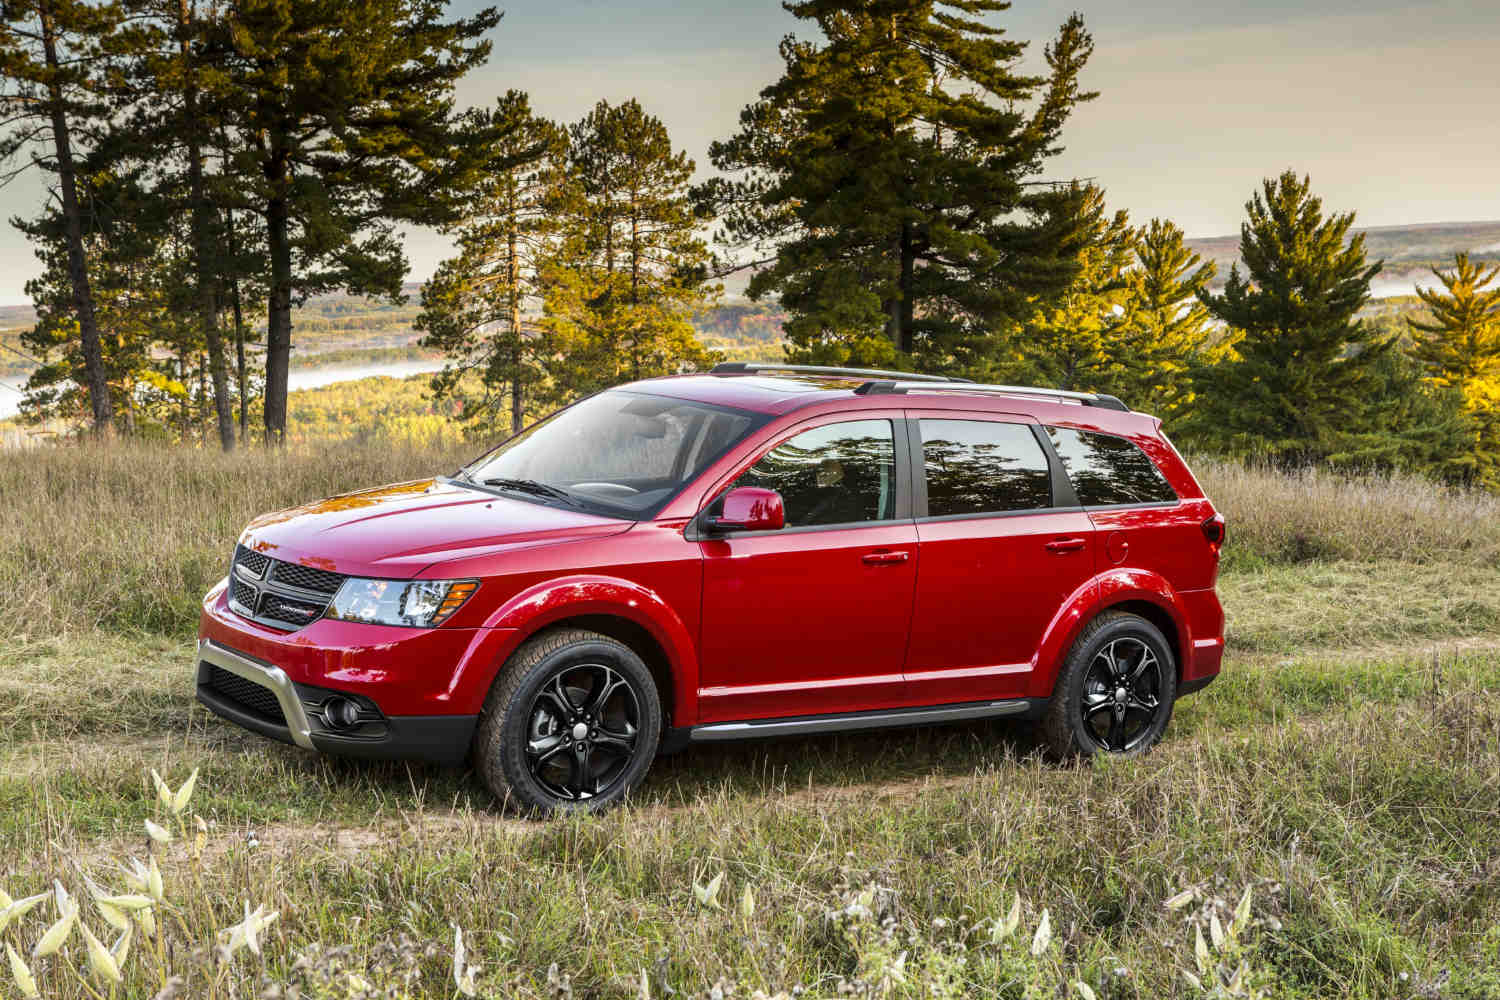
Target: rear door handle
884	558
1066	544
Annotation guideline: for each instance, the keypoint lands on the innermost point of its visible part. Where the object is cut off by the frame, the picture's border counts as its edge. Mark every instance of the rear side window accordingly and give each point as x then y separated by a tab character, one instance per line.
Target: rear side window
834	474
983	467
1106	470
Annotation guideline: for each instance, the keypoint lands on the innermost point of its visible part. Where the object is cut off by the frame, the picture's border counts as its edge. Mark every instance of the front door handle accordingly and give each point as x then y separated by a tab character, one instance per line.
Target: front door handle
1066	544
884	558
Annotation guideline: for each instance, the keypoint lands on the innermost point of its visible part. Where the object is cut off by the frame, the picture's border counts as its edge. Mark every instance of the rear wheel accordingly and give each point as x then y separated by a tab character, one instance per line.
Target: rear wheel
1115	691
572	722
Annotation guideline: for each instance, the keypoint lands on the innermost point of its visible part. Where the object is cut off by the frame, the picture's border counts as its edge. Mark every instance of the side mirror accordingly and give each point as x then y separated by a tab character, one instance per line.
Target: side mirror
750	508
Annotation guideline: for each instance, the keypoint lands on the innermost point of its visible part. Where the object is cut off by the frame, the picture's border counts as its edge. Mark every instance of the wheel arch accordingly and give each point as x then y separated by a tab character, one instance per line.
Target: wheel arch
617	608
1161	618
1137	592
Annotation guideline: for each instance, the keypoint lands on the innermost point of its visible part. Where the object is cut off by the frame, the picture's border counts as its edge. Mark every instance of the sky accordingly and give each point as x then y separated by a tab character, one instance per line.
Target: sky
1390	107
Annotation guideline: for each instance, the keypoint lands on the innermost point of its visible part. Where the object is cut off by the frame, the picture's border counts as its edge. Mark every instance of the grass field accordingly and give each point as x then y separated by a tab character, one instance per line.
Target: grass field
1345	769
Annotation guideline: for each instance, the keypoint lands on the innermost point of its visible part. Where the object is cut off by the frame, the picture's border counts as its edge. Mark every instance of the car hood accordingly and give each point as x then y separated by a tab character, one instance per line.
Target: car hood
400	530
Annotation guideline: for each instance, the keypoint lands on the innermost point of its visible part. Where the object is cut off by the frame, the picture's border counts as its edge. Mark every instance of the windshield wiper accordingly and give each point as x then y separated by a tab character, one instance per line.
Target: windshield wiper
533	487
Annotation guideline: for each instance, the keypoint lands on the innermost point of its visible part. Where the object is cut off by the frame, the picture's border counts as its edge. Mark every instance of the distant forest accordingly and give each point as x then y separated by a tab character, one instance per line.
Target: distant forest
228	184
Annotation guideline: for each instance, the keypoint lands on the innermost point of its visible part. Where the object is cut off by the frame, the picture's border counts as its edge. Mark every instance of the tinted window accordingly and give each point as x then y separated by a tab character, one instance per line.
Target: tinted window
1109	470
835	474
980	466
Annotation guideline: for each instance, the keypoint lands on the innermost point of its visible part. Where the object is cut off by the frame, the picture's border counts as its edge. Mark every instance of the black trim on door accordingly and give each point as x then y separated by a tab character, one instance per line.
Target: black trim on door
1063	494
916	466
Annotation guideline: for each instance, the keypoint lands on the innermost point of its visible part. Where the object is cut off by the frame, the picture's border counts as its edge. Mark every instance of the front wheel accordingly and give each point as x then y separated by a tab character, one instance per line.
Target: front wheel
572	722
1115	691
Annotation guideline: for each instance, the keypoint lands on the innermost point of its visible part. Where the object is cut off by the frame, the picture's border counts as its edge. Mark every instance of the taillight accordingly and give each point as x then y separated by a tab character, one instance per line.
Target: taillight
1214	530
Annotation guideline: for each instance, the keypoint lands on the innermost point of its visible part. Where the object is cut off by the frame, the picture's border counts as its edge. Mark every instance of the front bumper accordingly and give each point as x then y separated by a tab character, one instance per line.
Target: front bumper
261	698
418	691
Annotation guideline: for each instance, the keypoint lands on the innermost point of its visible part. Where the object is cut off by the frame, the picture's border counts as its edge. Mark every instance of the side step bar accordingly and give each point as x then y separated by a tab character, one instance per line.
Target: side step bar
719	732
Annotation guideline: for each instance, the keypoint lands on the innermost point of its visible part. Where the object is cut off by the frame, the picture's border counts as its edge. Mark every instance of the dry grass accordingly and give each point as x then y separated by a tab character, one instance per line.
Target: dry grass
127	538
1318	515
1368	829
1357	792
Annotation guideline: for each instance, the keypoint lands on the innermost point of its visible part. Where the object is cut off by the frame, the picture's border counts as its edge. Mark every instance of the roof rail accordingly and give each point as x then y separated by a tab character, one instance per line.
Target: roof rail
881	387
754	367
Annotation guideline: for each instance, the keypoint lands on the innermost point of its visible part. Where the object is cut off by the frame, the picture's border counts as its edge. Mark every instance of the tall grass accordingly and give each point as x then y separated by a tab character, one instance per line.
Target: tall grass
128	537
1318	515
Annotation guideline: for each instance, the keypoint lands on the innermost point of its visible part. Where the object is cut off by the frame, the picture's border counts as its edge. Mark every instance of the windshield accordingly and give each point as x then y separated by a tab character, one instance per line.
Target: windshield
620	453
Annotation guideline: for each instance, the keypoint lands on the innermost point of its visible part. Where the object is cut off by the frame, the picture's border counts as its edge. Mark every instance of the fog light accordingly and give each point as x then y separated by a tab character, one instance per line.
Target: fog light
341	713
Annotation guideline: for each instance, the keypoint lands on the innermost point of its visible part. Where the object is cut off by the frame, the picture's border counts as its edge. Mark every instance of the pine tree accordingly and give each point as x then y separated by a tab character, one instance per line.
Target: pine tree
1073	340
128	252
1167	331
887	180
343	116
631	266
1459	348
169	87
51	53
1301	375
474	307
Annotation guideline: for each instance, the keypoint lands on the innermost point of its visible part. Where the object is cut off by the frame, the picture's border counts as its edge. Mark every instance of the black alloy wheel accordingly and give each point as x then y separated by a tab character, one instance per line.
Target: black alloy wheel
572	722
582	731
1114	691
1122	694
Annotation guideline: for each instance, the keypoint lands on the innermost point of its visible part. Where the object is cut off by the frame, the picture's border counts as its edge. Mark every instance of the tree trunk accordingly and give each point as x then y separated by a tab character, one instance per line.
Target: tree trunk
903	312
78	274
239	363
279	306
208	311
517	406
241	378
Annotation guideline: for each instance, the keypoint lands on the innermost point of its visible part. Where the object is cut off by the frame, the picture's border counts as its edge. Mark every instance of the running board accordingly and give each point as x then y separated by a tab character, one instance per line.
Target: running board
716	732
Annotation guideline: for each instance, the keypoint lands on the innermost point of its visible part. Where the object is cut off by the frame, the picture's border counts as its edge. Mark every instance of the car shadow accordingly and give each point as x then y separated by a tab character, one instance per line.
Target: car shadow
816	764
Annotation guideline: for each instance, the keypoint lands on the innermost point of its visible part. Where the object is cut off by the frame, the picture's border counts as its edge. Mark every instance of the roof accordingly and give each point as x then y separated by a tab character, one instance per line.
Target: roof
777	389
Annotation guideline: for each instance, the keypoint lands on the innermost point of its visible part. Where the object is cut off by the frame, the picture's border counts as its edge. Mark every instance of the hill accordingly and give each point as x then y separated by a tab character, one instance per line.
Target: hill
1409	252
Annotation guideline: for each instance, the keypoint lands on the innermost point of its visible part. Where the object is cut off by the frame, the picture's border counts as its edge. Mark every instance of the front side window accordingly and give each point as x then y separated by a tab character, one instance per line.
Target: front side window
983	467
835	474
620	453
1108	471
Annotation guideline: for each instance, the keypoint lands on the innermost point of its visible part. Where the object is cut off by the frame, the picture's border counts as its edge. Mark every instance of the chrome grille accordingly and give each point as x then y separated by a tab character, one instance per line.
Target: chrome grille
281	594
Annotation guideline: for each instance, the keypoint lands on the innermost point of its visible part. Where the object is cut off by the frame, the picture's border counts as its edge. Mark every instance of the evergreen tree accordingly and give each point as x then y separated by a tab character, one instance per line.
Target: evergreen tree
1411	425
174	112
887	181
1459	348
1074	340
1301	375
343	116
127	248
1167	331
631	266
51	53
474	307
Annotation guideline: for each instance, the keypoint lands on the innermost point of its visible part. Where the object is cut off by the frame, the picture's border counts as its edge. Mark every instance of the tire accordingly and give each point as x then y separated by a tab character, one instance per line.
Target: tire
544	745
1144	686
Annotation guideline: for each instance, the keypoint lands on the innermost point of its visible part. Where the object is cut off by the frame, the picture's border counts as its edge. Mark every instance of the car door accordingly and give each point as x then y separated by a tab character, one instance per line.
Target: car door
1003	548
813	618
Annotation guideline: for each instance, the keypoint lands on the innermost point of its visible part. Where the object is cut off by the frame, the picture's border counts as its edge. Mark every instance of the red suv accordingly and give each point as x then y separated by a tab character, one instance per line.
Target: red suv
763	550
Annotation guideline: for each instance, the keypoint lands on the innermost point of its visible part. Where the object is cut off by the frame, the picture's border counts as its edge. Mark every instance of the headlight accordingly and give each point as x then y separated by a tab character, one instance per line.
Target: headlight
413	603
